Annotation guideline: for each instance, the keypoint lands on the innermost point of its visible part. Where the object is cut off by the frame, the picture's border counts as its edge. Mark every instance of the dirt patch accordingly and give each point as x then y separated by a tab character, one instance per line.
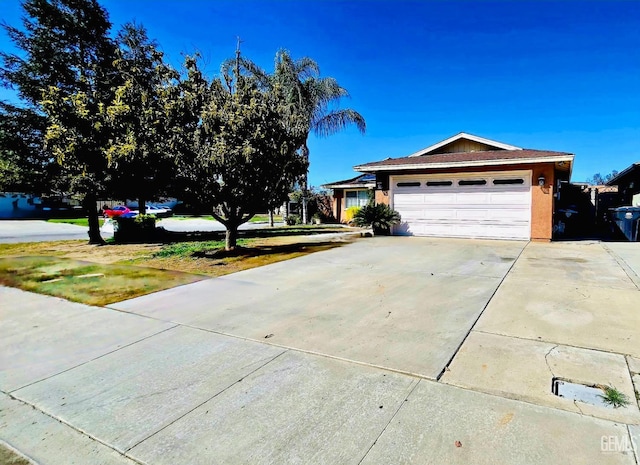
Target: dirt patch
211	262
80	250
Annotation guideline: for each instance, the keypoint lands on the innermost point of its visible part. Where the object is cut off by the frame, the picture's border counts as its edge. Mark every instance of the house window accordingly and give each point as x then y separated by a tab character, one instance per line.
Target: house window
409	184
498	182
472	182
438	183
356	198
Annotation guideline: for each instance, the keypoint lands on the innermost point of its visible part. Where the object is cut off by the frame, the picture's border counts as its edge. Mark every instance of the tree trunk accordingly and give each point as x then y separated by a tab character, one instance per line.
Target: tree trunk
305	185
271	218
285	214
142	206
231	237
94	225
305	220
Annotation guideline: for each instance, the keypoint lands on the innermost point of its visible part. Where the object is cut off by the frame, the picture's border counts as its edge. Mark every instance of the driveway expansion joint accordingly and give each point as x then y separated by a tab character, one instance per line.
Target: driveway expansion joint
558	344
310	352
95	358
623	264
281	346
404	401
475	322
78	430
206	400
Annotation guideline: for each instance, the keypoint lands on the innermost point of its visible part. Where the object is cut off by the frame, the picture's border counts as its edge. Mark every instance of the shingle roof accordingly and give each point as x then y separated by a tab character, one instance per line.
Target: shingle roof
491	157
362	179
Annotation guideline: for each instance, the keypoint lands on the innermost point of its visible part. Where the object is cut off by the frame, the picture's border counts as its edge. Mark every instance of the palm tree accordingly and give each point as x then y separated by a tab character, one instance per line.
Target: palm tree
316	97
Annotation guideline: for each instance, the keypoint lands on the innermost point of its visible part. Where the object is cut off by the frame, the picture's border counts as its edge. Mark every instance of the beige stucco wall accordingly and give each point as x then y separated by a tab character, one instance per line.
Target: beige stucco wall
542	202
383	197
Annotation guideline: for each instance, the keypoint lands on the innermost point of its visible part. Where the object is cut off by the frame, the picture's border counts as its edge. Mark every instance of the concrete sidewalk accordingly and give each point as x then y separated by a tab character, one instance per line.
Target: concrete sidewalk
184	395
189	377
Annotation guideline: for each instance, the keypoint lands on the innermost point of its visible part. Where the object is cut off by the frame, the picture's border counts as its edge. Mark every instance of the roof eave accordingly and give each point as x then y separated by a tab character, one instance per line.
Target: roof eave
463	164
369	185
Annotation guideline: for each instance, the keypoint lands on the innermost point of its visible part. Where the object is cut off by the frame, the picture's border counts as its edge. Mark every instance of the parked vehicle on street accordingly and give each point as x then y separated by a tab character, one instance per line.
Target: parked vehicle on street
116	211
161	211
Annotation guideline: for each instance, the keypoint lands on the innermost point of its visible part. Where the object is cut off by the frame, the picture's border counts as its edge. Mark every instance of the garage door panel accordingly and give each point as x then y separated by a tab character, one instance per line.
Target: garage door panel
473	198
475	215
438	214
483	211
439	198
412	215
410	199
509	215
510	198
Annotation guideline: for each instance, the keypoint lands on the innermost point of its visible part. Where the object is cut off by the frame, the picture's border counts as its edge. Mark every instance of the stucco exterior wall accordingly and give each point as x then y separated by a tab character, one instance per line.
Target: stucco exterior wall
383	197
542	202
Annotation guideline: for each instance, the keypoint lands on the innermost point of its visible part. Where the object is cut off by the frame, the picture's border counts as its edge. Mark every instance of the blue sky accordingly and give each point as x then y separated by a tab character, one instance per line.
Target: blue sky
549	75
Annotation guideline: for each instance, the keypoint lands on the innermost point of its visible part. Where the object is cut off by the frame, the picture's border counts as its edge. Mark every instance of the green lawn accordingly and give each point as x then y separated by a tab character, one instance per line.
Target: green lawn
255	219
189	249
265	219
86	282
76	221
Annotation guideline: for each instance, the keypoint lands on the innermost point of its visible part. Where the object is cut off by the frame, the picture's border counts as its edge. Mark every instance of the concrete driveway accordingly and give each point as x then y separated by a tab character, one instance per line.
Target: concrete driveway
384	351
397	303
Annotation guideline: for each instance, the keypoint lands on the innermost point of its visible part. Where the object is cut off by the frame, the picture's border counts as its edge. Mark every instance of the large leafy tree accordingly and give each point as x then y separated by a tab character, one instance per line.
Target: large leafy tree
307	93
25	165
138	153
65	72
243	151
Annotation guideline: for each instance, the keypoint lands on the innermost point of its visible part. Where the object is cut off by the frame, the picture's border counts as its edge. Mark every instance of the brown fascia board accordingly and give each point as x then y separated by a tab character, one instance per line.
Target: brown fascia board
415	163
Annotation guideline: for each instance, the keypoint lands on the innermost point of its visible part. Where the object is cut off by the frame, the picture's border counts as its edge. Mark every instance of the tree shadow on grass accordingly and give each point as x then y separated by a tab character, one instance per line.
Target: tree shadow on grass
266	250
166	237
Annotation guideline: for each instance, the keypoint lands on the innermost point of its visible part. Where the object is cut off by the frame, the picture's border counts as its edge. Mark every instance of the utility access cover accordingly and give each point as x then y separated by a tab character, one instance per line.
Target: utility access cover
580	392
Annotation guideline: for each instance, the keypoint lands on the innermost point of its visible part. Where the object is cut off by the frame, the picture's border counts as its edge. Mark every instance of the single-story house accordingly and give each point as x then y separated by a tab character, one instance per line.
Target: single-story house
465	186
628	182
354	192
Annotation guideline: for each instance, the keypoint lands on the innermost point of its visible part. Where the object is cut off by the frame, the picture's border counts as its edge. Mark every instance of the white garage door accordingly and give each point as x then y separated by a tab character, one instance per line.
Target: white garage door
493	205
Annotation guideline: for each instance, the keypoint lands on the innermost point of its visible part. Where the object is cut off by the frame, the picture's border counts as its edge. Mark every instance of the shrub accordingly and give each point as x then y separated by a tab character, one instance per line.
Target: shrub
146	221
140	228
379	217
350	213
293	220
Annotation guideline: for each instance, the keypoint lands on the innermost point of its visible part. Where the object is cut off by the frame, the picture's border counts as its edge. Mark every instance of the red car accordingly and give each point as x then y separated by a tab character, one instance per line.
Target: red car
118	210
